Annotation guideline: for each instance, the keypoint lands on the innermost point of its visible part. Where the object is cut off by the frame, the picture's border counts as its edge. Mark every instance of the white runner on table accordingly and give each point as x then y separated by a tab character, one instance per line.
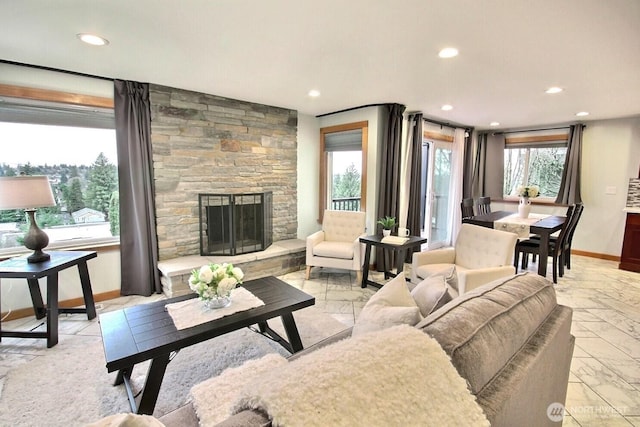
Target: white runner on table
516	224
192	312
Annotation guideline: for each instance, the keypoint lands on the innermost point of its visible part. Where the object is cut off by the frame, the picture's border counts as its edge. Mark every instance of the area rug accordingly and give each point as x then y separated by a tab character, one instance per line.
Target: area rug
69	385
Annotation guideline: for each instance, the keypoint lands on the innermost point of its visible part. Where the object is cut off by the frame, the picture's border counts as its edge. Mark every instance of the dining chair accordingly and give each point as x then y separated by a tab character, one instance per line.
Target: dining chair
573	224
555	250
467	208
484	205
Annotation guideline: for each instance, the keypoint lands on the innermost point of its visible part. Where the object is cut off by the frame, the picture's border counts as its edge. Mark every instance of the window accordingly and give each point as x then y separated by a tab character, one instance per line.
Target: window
534	160
343	167
75	146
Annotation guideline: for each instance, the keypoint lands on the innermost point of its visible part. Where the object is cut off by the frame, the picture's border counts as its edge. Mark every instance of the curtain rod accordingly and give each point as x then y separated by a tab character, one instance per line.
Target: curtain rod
535	130
449	125
42	67
355	108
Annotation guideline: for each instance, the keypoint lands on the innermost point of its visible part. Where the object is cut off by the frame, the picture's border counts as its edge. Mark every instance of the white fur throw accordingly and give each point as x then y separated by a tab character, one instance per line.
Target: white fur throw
213	399
394	377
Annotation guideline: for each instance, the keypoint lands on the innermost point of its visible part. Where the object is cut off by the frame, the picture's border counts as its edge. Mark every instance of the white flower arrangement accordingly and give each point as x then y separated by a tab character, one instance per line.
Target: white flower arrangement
215	280
528	191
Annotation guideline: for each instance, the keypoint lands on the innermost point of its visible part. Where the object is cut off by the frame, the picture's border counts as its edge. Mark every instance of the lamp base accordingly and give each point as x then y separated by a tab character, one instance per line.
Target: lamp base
36	240
38	256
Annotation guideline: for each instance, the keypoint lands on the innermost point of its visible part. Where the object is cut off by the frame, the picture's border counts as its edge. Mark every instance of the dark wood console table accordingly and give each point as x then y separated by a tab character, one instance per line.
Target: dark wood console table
19	268
400	250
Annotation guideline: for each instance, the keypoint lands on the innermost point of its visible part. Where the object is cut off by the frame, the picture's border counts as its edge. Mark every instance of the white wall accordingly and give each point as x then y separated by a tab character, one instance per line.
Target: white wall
308	174
611	155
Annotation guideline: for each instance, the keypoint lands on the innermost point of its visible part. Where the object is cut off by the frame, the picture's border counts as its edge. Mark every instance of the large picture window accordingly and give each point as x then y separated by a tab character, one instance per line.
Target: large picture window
74	145
534	160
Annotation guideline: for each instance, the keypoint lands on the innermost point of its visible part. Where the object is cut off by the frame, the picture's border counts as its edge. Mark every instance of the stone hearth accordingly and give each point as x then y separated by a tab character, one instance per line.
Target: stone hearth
280	258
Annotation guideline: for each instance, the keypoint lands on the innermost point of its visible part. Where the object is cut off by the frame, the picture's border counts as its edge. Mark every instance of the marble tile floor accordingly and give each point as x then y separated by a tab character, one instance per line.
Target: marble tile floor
604	384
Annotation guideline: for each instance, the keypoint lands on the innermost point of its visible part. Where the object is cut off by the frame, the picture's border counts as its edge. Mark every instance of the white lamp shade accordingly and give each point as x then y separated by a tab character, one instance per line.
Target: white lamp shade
25	192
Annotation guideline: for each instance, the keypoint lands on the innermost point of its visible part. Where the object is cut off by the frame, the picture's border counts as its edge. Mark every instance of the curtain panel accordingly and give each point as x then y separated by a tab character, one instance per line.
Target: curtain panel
138	238
488	175
569	192
389	172
414	179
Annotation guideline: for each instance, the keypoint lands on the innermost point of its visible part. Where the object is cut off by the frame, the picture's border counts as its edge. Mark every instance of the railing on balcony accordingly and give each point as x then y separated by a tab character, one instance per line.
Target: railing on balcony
346	204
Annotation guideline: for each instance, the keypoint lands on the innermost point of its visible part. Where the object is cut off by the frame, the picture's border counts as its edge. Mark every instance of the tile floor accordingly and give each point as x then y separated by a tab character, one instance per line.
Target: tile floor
604	386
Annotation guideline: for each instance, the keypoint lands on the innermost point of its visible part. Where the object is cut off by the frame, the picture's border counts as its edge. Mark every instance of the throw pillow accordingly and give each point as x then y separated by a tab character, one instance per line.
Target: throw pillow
448	271
392	305
431	294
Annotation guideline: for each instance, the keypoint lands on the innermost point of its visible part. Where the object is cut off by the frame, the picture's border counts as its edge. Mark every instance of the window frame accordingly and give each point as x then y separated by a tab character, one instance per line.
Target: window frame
82	100
534	141
363	126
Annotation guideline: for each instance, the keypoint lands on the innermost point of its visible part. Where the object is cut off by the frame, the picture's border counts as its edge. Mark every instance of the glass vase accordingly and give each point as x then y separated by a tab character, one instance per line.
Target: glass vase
218	301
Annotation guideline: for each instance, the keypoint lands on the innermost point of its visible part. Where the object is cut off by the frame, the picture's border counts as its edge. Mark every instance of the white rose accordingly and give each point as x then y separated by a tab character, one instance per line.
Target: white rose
206	274
226	285
237	273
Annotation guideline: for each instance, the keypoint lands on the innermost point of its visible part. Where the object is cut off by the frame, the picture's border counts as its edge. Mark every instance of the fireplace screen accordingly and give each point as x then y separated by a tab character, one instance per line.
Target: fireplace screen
233	224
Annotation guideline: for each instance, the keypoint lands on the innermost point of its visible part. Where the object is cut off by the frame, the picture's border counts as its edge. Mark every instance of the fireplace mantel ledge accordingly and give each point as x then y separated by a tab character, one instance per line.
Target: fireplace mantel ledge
184	265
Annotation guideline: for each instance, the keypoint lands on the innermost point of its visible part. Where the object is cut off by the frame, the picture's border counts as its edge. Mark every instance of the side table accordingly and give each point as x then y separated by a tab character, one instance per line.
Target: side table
19	268
400	251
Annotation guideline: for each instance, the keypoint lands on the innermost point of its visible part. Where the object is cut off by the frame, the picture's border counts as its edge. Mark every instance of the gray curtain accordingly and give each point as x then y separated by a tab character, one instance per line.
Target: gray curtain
469	166
138	239
389	184
488	175
569	192
416	192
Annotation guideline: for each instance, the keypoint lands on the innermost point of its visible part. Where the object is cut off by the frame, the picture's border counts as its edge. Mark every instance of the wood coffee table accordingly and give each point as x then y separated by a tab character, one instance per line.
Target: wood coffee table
146	332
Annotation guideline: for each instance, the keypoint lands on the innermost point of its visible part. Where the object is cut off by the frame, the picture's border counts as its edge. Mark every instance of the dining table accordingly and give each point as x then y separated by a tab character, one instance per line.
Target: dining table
543	225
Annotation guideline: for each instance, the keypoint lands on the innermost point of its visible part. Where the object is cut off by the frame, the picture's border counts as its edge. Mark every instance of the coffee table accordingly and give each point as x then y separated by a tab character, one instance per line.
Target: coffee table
146	332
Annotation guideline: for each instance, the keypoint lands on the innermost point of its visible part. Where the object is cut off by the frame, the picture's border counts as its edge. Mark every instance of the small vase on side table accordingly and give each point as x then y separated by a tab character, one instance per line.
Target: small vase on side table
524	208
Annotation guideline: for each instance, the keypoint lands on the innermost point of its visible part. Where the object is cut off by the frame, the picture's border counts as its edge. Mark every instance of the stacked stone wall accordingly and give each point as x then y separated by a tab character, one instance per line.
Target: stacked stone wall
210	144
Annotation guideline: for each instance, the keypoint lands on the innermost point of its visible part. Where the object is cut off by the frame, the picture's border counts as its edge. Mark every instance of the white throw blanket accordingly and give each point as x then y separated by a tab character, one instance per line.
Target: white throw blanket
395	377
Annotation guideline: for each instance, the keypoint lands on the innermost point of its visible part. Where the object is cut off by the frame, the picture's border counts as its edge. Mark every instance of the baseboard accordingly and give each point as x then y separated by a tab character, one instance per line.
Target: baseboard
596	255
74	302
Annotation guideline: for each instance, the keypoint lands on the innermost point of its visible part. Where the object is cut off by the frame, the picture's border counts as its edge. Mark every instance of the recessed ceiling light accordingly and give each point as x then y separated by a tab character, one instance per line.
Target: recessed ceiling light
554	89
314	93
92	39
494	124
447	107
582	113
448	52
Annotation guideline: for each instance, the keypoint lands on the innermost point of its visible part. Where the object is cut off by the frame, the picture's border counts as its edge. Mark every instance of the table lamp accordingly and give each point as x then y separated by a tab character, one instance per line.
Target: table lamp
29	193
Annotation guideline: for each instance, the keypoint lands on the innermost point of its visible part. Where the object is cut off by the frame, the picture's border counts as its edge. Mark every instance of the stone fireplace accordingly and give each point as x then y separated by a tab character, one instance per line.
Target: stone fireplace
234	224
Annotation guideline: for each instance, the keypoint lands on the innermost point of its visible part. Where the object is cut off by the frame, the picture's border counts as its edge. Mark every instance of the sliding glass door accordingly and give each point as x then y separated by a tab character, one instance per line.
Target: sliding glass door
437	175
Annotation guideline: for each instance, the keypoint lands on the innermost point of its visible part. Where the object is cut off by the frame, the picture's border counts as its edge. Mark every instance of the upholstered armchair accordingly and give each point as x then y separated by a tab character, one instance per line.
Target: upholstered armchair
480	255
337	245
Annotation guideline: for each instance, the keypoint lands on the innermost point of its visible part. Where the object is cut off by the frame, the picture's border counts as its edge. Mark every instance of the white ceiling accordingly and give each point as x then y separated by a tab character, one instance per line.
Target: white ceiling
355	52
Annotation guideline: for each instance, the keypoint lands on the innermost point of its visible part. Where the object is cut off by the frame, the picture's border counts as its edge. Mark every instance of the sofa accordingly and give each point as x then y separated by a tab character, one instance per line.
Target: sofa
480	255
509	340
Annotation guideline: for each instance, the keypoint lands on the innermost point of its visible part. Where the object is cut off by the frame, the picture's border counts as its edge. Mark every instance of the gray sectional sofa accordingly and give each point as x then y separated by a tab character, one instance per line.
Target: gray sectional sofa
509	339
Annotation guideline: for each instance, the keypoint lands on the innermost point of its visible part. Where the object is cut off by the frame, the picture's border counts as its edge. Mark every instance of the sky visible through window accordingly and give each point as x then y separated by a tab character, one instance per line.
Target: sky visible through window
54	145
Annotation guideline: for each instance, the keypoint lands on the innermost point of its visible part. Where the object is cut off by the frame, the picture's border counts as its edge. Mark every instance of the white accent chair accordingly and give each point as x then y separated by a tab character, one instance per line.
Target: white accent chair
337	245
480	255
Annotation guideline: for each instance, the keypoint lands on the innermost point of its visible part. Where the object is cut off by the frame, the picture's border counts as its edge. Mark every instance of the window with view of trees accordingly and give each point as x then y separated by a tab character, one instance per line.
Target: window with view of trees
534	161
79	158
343	154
